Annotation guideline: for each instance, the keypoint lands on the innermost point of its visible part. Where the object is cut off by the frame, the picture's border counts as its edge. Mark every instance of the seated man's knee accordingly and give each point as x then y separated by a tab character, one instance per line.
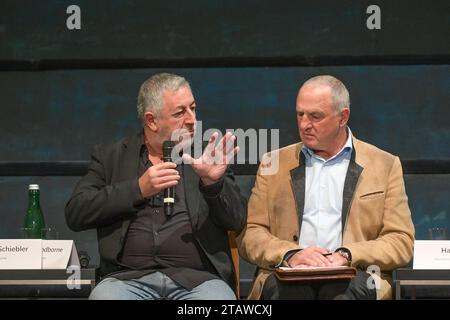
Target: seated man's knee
213	290
274	290
360	288
109	289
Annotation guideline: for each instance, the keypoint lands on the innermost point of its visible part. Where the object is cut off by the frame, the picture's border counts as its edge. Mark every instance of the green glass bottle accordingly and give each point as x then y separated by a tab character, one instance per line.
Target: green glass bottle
34	224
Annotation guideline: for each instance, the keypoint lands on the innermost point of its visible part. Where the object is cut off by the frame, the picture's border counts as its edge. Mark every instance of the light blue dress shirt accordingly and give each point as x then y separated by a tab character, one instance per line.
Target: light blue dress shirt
324	187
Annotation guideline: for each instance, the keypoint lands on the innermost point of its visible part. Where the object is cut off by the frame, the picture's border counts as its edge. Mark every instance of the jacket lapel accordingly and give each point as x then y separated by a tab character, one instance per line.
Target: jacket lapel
351	179
298	179
129	159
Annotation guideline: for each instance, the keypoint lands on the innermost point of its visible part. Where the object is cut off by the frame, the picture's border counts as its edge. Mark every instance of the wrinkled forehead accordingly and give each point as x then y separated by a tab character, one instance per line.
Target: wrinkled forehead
178	98
314	97
314	89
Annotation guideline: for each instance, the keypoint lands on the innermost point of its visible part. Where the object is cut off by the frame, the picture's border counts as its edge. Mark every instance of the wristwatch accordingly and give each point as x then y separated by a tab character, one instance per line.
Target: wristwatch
346	254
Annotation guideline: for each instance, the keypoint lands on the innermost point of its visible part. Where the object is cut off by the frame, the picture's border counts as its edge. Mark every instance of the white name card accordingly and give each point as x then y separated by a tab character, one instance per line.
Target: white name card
20	254
431	254
16	254
59	254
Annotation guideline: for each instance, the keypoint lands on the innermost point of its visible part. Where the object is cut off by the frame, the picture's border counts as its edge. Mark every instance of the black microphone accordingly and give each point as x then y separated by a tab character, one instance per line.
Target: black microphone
169	193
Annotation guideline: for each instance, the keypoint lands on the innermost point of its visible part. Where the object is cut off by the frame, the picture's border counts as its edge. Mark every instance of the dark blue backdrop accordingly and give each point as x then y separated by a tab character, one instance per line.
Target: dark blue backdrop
64	91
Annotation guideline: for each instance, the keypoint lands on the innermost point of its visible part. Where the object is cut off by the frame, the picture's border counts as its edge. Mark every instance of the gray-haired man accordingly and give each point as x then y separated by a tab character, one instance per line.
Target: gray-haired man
144	253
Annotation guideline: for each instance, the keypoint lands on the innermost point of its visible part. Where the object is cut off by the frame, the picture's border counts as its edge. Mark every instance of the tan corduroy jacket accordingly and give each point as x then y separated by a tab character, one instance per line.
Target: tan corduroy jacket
377	225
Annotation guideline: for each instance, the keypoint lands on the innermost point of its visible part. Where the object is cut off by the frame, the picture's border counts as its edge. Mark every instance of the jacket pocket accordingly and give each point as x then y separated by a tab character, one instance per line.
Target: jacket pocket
372	195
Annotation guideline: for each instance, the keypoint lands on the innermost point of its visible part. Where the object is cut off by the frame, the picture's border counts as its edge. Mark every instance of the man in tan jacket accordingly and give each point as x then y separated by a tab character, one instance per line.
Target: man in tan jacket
333	200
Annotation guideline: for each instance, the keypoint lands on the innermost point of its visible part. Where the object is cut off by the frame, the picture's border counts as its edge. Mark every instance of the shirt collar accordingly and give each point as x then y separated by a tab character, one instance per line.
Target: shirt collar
346	149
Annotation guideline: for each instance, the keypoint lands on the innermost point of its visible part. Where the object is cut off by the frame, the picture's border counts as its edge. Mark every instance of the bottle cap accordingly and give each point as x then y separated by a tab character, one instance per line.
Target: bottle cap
33	187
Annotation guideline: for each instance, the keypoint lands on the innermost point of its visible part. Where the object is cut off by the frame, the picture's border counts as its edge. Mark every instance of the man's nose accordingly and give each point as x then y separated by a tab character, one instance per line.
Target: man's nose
190	117
305	123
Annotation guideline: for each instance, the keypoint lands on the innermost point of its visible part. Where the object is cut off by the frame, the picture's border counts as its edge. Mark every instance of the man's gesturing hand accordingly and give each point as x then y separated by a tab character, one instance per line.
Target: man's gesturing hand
211	166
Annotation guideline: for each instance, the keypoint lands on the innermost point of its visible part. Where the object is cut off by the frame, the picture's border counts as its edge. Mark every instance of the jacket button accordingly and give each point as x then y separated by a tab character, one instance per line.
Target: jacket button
295	238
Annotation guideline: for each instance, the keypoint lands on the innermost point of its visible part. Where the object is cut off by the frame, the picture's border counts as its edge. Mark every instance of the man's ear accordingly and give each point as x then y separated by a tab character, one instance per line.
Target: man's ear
345	115
150	121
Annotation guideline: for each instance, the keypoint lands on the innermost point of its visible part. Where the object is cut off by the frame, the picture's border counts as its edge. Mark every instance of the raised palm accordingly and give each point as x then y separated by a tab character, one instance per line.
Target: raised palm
211	166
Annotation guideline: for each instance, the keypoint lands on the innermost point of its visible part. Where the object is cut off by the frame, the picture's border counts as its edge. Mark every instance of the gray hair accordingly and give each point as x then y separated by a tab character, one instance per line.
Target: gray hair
339	93
150	94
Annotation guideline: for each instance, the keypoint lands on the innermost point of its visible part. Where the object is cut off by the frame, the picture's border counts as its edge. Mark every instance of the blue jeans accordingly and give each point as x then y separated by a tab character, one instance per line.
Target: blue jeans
157	286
